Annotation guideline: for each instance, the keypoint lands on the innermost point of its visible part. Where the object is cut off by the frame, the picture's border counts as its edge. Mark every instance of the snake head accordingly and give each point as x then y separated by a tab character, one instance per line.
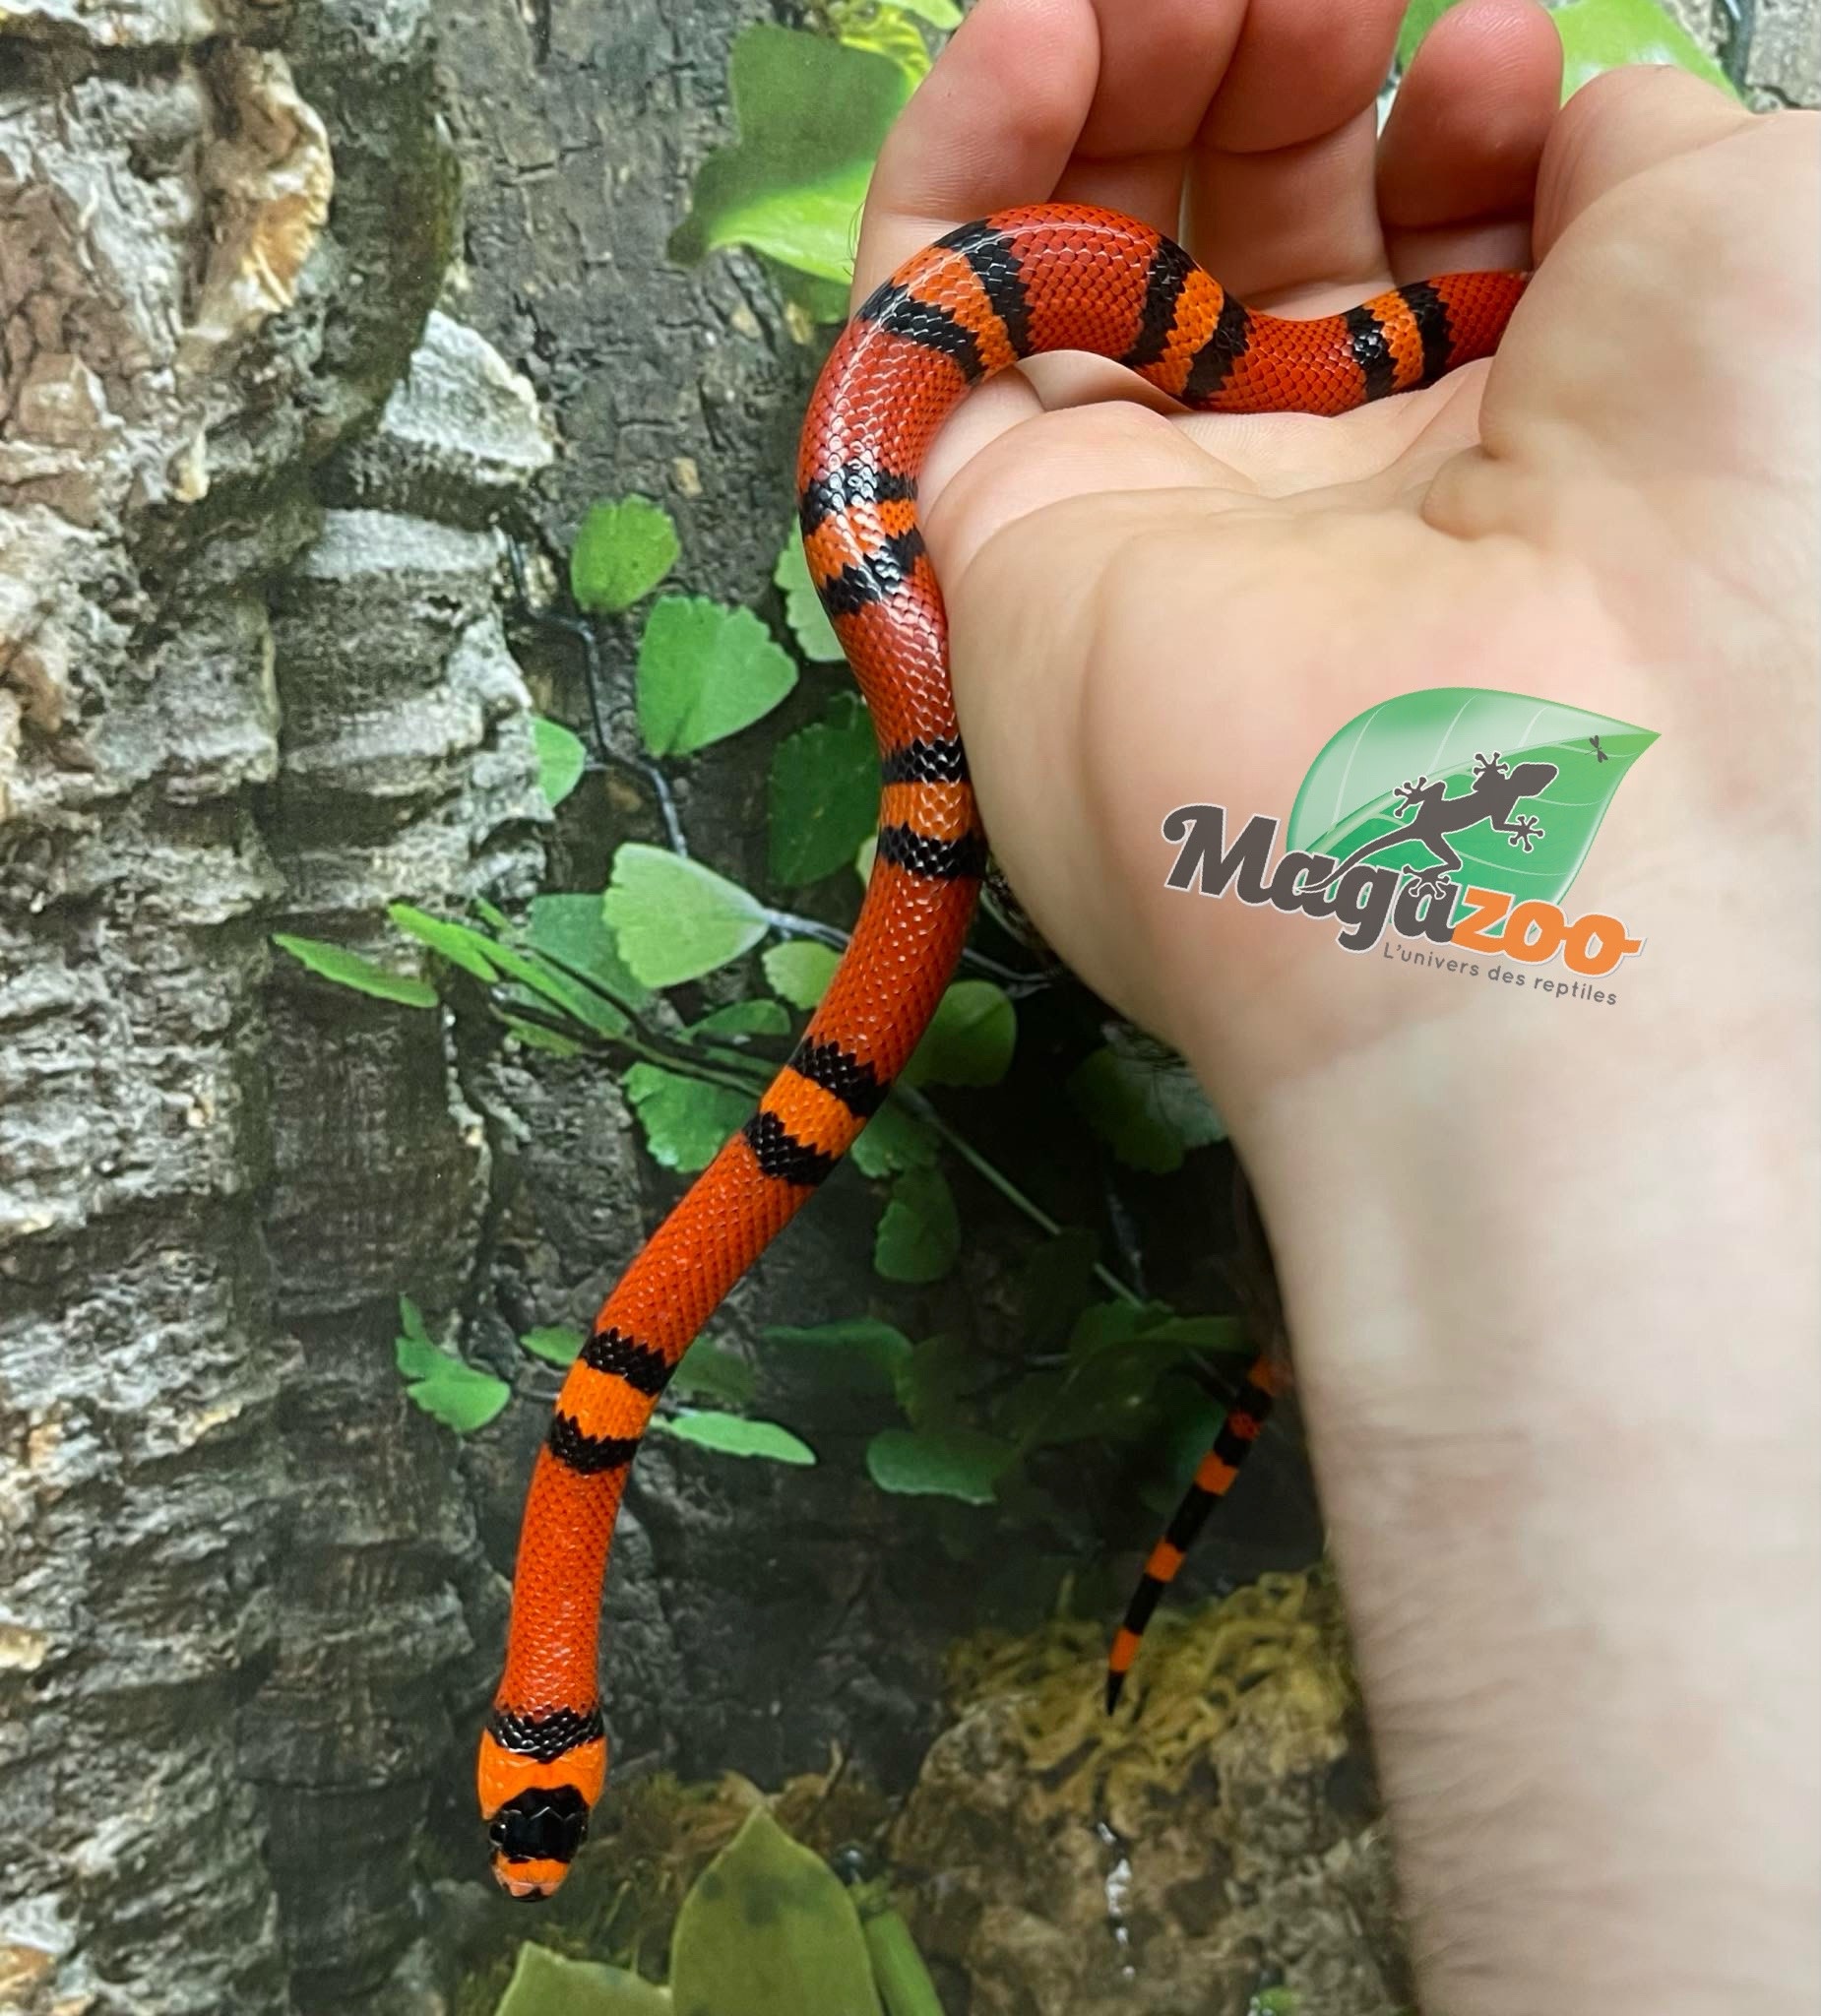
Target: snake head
537	1776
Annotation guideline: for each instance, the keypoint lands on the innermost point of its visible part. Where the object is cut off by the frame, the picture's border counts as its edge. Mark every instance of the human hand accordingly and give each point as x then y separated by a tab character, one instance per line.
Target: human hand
1152	611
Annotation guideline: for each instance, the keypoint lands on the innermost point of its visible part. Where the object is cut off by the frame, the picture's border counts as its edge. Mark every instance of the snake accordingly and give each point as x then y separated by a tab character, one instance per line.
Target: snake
1042	278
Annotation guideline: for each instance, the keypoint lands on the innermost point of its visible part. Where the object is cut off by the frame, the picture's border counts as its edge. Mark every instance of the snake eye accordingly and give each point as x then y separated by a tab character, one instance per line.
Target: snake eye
546	1824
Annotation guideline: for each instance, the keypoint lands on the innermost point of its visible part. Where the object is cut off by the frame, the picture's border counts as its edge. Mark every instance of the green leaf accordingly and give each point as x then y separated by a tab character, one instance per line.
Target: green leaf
812	114
946	1463
439	1382
577	1003
803	610
674	918
799	971
744	1018
1054	1283
897	1967
686	1121
349	970
940	13
858	1354
892	35
732	1434
1148	1110
710	1371
1607	34
571	929
705	673
561	758
546	1983
919	1231
936	1385
823	798
556	1345
456	943
894	1140
1350	794
1597	35
969	1040
769	1931
624	550
1418	17
534	1037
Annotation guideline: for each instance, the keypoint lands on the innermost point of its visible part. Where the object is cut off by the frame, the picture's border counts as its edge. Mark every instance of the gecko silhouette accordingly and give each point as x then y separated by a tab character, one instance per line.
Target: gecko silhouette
1492	795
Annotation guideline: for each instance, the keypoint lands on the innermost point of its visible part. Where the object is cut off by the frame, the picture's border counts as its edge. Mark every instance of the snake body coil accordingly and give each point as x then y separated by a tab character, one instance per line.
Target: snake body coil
1052	277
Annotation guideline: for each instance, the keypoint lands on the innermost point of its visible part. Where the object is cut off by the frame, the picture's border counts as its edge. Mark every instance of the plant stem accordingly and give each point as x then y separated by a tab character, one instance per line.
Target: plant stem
1003	1183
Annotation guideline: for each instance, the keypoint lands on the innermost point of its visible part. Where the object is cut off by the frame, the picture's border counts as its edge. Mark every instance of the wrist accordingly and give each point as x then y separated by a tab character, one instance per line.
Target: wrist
1572	1493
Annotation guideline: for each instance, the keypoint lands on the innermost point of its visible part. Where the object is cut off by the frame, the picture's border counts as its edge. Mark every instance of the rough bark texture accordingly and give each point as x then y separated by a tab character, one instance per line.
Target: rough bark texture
254	675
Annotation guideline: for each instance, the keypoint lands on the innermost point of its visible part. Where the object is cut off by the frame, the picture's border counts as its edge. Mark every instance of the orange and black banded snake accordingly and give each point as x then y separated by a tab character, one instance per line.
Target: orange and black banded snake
1050	277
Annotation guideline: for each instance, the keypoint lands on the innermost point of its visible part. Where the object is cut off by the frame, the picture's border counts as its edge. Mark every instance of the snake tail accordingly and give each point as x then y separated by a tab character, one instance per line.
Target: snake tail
1213	1479
1049	278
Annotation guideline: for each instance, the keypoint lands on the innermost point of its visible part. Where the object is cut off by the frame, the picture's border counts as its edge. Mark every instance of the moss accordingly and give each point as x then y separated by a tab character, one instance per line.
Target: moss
1195	1674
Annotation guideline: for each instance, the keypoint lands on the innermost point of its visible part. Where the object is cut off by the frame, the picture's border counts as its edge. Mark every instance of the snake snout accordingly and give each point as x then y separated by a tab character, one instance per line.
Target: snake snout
535	1838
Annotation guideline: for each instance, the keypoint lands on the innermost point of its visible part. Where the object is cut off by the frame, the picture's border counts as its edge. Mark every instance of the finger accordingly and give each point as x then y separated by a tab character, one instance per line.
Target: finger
1617	127
1281	177
1458	163
993	124
1161	65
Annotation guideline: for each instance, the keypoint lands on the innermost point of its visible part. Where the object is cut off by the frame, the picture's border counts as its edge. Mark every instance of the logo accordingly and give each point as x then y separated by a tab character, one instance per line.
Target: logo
1451	817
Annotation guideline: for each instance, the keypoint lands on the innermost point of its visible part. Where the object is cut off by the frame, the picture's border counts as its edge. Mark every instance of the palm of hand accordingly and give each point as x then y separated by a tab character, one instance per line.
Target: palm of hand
1152	610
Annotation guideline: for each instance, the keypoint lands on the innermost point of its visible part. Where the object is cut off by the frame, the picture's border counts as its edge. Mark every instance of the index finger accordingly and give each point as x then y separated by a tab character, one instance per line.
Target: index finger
993	124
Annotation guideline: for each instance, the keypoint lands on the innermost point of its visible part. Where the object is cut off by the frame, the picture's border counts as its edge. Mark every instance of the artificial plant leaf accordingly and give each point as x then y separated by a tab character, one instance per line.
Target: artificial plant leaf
937	1382
705	673
555	1344
349	970
1349	795
443	1385
458	943
823	795
570	928
624	550
744	1018
803	610
686	1121
969	1040
732	1434
674	919
1148	1110
710	1371
534	1037
811	114
561	758
1608	35
546	1983
943	1463
1597	35
888	33
894	1140
1054	1284
799	971
919	1230
857	1352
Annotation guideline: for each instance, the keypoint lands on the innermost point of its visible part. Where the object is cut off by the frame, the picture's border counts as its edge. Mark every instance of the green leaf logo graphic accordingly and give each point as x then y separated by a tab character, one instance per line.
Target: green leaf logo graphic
1350	797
